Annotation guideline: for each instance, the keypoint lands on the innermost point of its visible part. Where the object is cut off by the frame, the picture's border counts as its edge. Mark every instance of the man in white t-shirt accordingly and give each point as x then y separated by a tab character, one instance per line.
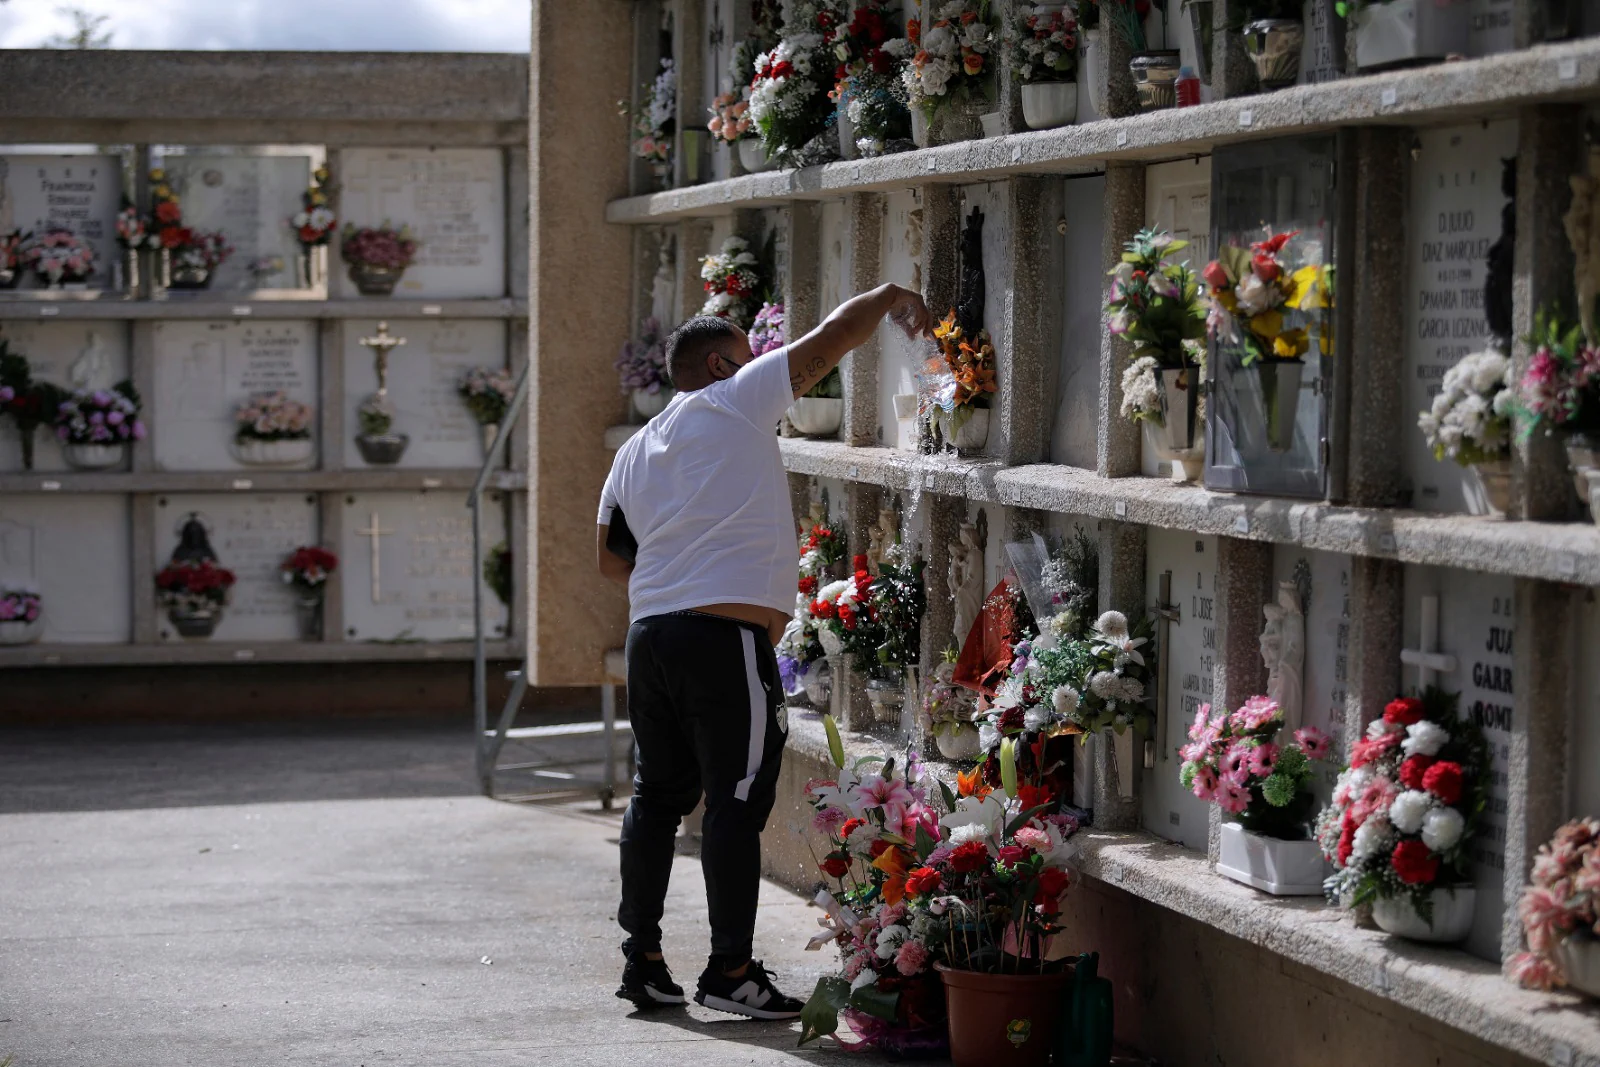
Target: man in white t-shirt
711	585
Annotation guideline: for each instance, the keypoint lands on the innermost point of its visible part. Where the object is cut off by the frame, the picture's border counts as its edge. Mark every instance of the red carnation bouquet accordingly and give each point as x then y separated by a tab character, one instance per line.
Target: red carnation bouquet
1408	805
193	585
308	569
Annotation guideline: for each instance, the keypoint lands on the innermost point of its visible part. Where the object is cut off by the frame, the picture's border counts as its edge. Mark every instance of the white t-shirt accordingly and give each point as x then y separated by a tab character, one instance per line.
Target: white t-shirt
704	491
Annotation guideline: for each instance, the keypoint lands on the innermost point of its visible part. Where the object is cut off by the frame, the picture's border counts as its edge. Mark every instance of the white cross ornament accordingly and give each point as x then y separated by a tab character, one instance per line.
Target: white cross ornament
1425	659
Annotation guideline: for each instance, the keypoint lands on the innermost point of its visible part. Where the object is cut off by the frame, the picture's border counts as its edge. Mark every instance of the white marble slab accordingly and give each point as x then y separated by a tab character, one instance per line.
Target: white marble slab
1326	668
1177	198
95	353
74	551
251	199
80	193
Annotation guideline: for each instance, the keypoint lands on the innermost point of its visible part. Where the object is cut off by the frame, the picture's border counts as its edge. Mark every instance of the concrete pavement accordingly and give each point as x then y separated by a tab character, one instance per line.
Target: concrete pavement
174	901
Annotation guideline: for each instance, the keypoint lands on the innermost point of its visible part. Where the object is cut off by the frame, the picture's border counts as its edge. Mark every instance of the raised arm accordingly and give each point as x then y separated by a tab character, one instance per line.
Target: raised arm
850	326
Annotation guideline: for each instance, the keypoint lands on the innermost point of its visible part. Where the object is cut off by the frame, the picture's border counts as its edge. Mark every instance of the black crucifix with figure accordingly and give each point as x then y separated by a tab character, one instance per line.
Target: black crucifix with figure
970	294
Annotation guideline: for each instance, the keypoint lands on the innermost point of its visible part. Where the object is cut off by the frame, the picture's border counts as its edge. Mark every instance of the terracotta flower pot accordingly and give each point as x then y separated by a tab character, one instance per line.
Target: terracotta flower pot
1002	1018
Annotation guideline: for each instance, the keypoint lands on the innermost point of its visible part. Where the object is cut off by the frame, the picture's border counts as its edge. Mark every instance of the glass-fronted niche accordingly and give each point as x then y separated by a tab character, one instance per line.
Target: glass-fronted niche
1271	363
253	222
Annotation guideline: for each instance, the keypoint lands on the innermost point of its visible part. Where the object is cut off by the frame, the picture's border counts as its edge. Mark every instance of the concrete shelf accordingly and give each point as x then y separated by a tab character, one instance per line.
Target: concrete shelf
1559	552
168	653
1467	91
265	481
100	306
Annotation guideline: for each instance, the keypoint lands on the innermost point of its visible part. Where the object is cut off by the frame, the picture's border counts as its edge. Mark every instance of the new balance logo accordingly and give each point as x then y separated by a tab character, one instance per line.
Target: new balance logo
752	994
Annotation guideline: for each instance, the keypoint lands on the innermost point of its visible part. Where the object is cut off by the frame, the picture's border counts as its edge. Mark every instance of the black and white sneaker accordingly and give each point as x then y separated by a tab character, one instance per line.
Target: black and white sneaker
751	994
649	984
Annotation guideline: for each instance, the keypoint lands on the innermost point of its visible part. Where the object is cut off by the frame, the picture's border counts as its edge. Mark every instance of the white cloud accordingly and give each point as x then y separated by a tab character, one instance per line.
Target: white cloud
310	25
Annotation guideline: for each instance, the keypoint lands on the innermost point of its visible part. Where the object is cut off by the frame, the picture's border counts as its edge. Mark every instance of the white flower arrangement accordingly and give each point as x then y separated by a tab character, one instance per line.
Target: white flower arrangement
732	282
789	102
1470	420
658	111
1141	393
954	54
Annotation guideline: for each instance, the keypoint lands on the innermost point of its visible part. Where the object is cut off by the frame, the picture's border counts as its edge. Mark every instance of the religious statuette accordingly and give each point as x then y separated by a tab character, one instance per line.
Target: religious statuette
881	538
966	581
1283	650
378	442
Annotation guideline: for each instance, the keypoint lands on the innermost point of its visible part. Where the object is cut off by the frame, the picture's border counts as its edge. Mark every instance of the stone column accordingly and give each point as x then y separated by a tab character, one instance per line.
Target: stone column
1122	566
142	372
694	244
1244	584
1375	316
330	512
1009	94
689	141
143	571
802	282
1232	72
945	515
941	244
1545	662
1120	97
860	367
572	338
1026	402
1118	451
1377	634
1550	149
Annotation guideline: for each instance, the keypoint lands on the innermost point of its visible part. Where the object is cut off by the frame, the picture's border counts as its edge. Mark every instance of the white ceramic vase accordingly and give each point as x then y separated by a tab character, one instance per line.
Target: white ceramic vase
991	124
753	155
1490	489
1046	105
94	457
1282	868
1579	956
1188	464
649	404
253	452
1094	68
21	631
1452	915
958	746
971	435
817	416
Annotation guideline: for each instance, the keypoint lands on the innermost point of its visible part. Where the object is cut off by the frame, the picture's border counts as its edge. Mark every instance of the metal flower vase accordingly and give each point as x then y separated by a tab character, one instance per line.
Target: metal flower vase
1274	47
1280	399
1155	78
308	613
195	623
311	267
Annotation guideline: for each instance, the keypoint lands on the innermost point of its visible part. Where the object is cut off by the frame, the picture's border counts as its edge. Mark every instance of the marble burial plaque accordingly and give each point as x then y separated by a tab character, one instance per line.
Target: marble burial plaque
251	200
1186	662
1177	198
454	200
1073	440
834	259
1491	30
407	567
1586	719
1475	625
73	550
1455	217
251	534
203	370
422	387
1325	666
900	357
77	193
66	354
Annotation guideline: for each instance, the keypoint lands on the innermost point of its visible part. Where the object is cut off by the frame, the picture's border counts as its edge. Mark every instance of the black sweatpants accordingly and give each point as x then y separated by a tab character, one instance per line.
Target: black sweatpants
708	716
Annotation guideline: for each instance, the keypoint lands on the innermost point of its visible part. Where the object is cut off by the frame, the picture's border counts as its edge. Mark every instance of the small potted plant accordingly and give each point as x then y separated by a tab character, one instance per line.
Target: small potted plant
966	386
1155	305
1470	423
313	228
1402	816
949	80
487	392
1236	762
21	616
60	259
96	426
1274	33
376	257
133	234
1560	912
376	440
306	570
656	121
271	430
11	258
30	403
642	369
497	574
1251	295
1560	392
733	283
1044	51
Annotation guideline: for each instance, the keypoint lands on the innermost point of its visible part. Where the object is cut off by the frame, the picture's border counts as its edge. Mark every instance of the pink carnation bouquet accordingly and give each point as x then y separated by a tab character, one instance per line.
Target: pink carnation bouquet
1561	904
1235	760
59	257
382	246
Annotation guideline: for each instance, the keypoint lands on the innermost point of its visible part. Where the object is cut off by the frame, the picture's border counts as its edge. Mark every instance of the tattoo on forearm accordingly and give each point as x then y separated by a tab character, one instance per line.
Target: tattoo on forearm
808	375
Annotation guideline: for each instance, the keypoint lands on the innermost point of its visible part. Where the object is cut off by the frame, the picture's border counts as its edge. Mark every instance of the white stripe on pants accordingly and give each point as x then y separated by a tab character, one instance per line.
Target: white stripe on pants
758	715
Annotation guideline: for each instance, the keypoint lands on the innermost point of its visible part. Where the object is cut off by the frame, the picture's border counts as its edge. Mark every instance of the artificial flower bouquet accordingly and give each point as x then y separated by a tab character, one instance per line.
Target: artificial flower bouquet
954	55
766	332
656	119
189	251
100	416
1251	294
869	89
315	221
1044	45
789	91
1235	761
132	231
731	121
308	568
487	392
272	417
960	380
1560	912
844	615
59	257
383	247
1470	420
194	586
20	606
733	282
1406	808
29	402
642	364
801	646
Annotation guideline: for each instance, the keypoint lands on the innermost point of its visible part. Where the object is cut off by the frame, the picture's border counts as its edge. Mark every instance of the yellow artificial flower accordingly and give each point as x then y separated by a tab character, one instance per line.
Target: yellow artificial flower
1309	291
164	192
1268	324
947	330
317	199
157	174
1229	302
1290	344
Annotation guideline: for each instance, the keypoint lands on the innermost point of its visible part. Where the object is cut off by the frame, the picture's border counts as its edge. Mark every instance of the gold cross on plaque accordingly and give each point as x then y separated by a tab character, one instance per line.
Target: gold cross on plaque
375	531
382	344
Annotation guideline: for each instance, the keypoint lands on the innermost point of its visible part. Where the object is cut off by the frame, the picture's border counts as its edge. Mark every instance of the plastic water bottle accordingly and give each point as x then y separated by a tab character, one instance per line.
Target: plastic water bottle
1188	87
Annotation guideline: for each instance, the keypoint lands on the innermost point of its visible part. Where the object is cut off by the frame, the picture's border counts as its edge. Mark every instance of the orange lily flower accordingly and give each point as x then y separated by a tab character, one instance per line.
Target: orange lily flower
893	862
970	784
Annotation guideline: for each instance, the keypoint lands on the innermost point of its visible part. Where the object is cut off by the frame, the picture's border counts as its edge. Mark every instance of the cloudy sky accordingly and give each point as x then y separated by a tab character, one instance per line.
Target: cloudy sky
346	25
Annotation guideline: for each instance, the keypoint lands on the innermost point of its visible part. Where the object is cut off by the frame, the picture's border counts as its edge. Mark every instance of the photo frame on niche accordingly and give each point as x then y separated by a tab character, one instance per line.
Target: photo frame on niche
1267	423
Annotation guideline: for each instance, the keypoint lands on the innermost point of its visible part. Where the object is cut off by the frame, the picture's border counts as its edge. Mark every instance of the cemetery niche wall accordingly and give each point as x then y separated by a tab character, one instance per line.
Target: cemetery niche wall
1385	249
200	304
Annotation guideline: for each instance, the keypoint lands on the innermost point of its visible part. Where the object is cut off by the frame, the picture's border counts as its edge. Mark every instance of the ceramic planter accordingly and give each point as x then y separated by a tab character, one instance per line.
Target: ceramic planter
887	701
1280	399
1491	489
1155	78
21	631
94	457
1452	915
1274	46
382	449
958	744
1049	104
1002	1018
1188	464
1583	456
1270	864
971	435
1402	32
1579	957
372	280
753	155
817	416
195	623
649	404
280	453
662	173
992	125
1094	69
